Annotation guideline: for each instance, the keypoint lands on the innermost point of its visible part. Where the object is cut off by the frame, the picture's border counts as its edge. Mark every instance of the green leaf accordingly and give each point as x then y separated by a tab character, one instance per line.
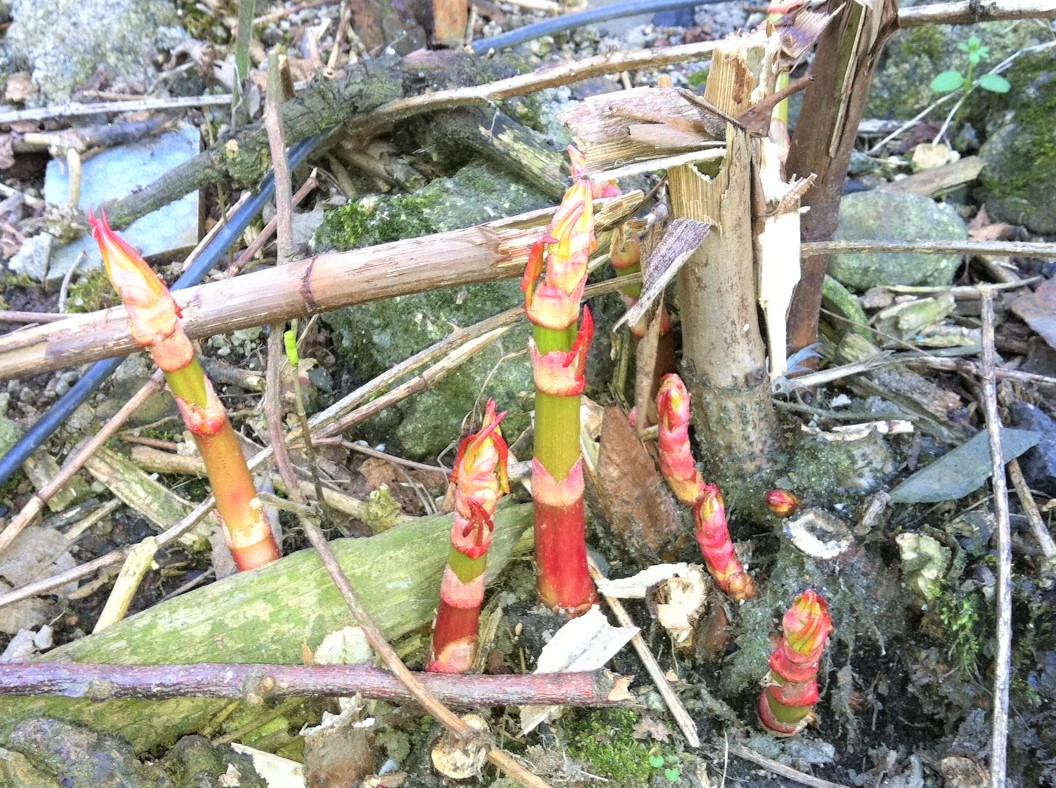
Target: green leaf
947	82
974	42
995	83
963	46
974	58
984	52
656	761
672	775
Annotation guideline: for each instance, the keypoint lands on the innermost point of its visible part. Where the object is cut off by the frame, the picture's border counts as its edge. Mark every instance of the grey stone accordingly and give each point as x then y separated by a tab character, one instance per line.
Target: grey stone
81	756
65	41
892	216
10	432
33	258
375	337
117	172
127	379
963	470
31	553
1019	157
1038	464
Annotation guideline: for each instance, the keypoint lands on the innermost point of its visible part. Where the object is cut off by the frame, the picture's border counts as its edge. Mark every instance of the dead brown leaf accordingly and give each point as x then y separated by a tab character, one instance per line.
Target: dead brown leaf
982	229
7	152
644	515
648	728
1038	310
377	472
19	87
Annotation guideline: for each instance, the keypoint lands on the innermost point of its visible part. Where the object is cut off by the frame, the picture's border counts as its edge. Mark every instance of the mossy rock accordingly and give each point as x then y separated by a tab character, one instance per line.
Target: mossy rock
66	41
376	336
1019	173
475	194
895	216
914	57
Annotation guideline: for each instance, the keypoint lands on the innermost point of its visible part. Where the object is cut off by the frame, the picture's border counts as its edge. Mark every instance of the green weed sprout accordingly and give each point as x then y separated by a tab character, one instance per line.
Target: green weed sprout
669	765
951	80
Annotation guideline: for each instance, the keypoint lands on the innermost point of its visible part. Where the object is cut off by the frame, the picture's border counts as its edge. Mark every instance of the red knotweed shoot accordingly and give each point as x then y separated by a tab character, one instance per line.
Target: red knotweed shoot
786	705
480	481
713	536
782	502
676	456
625	254
553	288
154	322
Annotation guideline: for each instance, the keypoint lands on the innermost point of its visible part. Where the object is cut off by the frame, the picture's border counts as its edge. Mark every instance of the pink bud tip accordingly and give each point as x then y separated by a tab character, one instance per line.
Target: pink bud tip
783	503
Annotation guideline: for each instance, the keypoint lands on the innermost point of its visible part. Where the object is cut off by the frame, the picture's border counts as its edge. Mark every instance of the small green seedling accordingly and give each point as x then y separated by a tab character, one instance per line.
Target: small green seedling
949	81
668	764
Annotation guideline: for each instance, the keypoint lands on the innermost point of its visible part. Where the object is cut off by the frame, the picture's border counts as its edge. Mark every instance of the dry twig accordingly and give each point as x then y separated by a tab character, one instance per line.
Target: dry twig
780	769
1018	248
75	109
968	13
1003	653
656	673
1037	525
257	683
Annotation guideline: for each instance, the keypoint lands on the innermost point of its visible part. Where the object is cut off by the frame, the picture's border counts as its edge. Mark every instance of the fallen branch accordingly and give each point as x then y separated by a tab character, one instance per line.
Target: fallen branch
373	97
1003	635
396	572
970	12
1018	248
258	683
485	253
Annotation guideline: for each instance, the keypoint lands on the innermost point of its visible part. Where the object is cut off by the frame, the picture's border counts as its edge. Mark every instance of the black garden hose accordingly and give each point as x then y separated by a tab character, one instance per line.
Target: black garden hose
101	370
560	24
213	253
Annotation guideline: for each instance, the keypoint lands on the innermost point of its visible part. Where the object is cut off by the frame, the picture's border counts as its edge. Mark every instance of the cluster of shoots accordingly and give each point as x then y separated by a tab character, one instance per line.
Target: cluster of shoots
154	322
553	288
709	511
480	480
786	705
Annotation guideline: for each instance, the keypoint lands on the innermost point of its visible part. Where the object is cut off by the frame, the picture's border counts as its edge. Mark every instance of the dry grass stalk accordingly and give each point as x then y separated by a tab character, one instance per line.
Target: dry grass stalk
484	253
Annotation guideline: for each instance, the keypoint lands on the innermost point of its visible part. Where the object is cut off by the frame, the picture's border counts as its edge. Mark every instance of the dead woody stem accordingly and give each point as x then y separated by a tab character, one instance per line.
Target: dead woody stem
257	683
724	357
